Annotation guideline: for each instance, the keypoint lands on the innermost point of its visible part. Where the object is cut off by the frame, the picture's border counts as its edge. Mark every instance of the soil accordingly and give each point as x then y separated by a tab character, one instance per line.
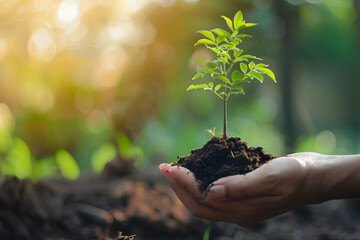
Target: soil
221	157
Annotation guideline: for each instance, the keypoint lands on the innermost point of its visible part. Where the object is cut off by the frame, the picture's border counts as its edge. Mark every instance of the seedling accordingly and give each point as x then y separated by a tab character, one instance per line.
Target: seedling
228	56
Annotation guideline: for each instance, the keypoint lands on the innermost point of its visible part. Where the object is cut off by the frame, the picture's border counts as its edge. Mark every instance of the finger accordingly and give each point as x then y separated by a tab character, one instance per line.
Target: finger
187	179
194	205
257	183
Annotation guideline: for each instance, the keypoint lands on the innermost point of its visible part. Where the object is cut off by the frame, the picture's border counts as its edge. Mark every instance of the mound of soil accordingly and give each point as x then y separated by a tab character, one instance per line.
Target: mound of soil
221	157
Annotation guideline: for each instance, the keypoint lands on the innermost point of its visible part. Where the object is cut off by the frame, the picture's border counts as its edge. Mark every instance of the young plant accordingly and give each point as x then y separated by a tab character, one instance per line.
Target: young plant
228	56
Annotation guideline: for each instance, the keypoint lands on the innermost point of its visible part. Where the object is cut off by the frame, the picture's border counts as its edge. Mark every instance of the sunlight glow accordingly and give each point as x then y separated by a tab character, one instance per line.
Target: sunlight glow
67	11
41	44
133	6
165	3
6	118
3	48
37	96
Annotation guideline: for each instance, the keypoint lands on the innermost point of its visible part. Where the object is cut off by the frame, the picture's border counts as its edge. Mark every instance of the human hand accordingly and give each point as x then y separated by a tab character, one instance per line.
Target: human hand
272	189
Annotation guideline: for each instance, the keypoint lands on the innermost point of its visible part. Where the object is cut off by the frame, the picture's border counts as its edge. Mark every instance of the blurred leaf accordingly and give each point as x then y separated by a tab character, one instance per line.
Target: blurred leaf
250	56
236	75
228	22
239	88
204	41
250	24
207	34
260	65
268	72
220	39
224	79
67	164
201	61
251	65
211	84
238	20
217	87
220	31
211	65
198	75
19	160
204	86
44	168
243	67
237	52
102	156
243	35
5	140
258	76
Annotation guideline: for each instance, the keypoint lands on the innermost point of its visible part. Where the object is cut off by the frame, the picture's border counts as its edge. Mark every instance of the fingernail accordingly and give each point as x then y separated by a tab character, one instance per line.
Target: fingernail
163	165
171	173
216	192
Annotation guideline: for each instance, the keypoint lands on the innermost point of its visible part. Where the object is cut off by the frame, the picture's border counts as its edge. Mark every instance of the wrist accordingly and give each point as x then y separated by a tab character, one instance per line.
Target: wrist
334	177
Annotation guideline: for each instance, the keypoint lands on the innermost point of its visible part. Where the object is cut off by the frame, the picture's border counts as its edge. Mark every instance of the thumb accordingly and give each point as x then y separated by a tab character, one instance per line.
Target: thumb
238	187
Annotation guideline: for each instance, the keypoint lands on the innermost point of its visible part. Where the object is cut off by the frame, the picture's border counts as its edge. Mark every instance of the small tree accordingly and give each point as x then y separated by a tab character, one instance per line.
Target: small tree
225	45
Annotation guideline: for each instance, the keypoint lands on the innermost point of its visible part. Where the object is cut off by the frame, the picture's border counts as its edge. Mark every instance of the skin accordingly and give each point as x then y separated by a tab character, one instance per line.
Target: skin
281	185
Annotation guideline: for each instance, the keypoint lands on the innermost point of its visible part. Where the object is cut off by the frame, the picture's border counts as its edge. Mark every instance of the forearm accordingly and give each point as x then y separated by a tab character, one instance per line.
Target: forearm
335	177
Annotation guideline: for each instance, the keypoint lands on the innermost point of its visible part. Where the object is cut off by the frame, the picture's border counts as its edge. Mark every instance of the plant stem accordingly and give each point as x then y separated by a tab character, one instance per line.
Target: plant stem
225	119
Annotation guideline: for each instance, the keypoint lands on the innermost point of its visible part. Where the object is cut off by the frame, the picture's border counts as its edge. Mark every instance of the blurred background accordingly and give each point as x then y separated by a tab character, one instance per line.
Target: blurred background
85	82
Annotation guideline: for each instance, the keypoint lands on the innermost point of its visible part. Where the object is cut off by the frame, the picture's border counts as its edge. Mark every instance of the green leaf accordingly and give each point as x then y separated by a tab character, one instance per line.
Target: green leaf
234	34
268	72
241	80
211	65
200	61
260	65
207	34
226	55
241	59
211	85
228	45
204	41
102	156
239	88
237	52
220	39
228	22
251	65
217	87
220	31
251	56
215	50
67	164
225	86
243	67
204	86
224	79
243	35
236	75
250	24
197	76
238	92
238	20
258	76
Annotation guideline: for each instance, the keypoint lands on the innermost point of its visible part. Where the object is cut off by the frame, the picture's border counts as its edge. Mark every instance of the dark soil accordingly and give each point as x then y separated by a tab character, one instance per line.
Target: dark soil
221	157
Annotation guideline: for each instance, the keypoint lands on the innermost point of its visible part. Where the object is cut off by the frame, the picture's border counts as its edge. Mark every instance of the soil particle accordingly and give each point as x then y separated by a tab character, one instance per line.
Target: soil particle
221	157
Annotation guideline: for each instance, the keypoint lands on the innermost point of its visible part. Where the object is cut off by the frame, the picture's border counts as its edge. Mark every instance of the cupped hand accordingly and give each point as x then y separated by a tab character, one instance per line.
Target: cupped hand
272	189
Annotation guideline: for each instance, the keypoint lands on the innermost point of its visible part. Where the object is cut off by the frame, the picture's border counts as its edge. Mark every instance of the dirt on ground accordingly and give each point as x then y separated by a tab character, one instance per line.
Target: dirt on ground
141	206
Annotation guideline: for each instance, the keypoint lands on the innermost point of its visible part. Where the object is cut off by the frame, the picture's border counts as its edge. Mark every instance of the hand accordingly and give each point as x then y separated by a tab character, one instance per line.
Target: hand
272	189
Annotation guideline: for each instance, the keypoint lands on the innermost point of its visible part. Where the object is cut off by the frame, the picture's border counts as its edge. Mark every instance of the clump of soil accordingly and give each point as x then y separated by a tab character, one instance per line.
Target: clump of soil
221	157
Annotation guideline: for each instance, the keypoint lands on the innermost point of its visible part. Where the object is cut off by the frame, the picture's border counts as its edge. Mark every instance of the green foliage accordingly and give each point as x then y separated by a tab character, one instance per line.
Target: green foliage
228	55
67	164
102	156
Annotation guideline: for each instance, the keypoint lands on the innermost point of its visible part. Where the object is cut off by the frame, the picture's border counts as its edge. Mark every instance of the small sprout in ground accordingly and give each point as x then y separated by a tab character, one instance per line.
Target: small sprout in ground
226	80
